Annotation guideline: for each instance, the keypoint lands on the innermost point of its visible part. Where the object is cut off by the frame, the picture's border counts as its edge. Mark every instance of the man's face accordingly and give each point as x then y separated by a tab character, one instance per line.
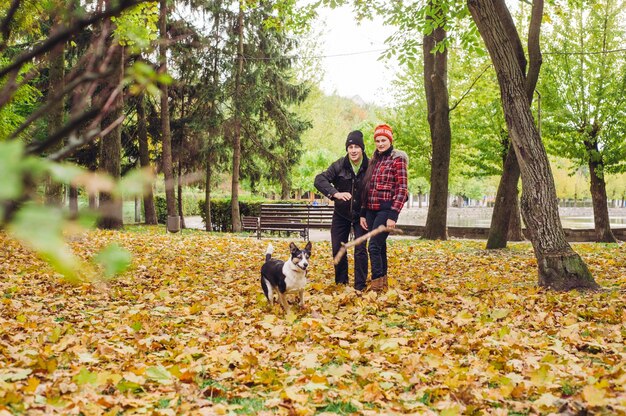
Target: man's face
355	153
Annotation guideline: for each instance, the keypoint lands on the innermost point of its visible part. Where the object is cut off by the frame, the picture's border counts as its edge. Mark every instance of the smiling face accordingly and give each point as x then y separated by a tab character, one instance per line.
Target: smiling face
355	153
382	143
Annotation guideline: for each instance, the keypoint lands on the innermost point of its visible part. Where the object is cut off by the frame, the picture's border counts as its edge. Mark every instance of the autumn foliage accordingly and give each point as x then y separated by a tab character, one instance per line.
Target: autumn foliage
186	330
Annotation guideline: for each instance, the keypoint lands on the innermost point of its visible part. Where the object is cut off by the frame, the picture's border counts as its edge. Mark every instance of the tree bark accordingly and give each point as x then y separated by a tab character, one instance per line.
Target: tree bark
111	147
602	224
505	220
56	84
144	160
180	193
73	202
207	193
168	169
559	267
436	88
506	199
236	135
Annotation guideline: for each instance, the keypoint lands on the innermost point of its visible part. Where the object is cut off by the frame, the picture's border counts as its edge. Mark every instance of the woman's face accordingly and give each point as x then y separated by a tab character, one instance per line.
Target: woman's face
382	143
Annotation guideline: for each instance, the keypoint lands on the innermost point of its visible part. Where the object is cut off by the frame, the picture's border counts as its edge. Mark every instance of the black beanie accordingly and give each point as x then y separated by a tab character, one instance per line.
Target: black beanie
355	137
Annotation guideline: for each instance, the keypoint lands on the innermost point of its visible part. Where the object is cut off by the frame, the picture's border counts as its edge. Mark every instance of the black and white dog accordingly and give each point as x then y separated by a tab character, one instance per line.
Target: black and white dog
282	277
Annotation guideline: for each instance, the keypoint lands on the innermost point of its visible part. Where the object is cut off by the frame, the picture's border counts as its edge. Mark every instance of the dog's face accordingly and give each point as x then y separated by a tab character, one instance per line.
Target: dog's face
300	257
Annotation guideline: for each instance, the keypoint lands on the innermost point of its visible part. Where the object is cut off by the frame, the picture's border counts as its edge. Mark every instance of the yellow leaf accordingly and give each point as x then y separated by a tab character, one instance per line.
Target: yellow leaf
31	385
594	396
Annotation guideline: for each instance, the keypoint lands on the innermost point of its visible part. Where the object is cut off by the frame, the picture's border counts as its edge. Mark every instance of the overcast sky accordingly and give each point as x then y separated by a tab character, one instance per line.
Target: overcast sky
356	71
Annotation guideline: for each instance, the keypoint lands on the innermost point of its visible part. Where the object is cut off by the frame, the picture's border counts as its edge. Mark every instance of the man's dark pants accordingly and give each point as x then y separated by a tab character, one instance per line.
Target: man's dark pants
340	232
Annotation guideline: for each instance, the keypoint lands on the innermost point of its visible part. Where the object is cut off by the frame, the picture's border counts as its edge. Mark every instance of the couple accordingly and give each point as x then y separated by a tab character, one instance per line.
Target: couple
367	194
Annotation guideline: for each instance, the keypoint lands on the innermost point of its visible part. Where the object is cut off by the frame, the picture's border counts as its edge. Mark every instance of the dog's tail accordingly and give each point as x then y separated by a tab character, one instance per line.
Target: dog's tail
269	251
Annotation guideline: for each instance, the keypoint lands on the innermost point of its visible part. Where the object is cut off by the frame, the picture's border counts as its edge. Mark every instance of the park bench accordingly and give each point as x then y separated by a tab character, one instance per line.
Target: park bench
289	218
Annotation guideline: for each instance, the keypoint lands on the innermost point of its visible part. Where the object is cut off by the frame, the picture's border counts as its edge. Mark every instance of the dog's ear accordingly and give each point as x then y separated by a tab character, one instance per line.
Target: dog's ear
308	246
293	247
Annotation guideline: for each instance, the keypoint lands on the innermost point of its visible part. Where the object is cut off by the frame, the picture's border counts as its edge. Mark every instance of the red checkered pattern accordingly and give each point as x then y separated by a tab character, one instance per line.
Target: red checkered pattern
389	183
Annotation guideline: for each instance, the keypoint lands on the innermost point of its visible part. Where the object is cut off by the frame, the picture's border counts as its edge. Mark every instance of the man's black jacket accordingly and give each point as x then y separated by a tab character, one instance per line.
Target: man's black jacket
339	177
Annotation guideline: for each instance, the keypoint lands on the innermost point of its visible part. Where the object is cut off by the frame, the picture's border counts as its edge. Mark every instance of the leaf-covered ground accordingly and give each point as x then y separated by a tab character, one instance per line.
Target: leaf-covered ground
187	331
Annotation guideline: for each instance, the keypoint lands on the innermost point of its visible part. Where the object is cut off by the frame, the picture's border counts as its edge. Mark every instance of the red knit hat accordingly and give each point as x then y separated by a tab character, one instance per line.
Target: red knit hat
383	130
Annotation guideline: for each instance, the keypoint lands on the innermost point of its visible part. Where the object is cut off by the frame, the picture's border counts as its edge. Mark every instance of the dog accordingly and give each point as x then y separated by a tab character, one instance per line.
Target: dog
283	277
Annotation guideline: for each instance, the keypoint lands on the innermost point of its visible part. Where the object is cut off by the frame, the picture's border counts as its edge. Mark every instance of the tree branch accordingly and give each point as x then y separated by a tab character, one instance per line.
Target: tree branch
470	87
5	26
55	100
65	34
534	48
362	239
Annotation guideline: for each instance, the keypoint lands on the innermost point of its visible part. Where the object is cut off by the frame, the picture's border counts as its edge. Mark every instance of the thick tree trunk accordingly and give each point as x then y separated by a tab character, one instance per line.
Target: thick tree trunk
173	224
560	268
508	217
436	87
56	84
234	207
111	148
144	160
601	221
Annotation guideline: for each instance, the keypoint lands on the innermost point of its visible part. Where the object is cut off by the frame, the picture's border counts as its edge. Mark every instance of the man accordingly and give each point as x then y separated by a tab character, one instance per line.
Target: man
342	182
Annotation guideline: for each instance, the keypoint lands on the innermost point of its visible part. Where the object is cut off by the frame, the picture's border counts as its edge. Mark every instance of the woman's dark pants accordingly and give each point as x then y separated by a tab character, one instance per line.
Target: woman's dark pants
377	246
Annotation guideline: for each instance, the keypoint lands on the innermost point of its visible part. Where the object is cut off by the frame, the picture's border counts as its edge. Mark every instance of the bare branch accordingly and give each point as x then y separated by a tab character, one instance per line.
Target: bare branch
5	26
55	100
470	87
65	34
362	239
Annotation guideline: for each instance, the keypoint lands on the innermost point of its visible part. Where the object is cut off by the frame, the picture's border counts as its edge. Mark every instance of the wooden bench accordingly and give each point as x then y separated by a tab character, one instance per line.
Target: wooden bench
289	218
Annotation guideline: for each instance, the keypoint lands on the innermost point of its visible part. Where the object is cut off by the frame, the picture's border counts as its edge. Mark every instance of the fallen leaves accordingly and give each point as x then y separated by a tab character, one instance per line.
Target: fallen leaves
187	330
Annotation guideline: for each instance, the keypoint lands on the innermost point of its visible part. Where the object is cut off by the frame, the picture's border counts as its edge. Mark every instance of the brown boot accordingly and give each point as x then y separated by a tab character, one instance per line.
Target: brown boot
385	283
378	285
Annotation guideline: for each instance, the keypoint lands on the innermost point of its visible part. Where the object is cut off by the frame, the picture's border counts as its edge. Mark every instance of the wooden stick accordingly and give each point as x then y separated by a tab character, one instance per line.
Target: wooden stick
345	246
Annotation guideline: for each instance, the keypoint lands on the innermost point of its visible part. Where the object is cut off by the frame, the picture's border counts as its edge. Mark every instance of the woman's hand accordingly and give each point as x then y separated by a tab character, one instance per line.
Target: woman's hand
363	223
391	223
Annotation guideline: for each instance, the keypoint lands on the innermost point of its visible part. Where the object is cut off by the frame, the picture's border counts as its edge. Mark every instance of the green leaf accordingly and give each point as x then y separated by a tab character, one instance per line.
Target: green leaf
86	377
135	183
159	374
11	154
114	258
14	374
65	172
41	228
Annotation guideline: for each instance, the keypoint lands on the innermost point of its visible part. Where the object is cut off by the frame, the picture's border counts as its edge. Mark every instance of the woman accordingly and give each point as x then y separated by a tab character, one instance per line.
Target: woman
384	195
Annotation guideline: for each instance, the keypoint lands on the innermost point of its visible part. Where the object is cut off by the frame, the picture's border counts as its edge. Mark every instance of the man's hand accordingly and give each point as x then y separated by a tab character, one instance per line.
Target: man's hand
391	223
363	223
343	196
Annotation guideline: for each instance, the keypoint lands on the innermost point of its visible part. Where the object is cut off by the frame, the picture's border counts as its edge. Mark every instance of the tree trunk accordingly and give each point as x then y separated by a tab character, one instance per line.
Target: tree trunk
515	223
56	84
436	87
234	206
173	224
180	194
207	194
504	207
559	267
505	220
285	187
111	147
144	160
602	225
73	202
